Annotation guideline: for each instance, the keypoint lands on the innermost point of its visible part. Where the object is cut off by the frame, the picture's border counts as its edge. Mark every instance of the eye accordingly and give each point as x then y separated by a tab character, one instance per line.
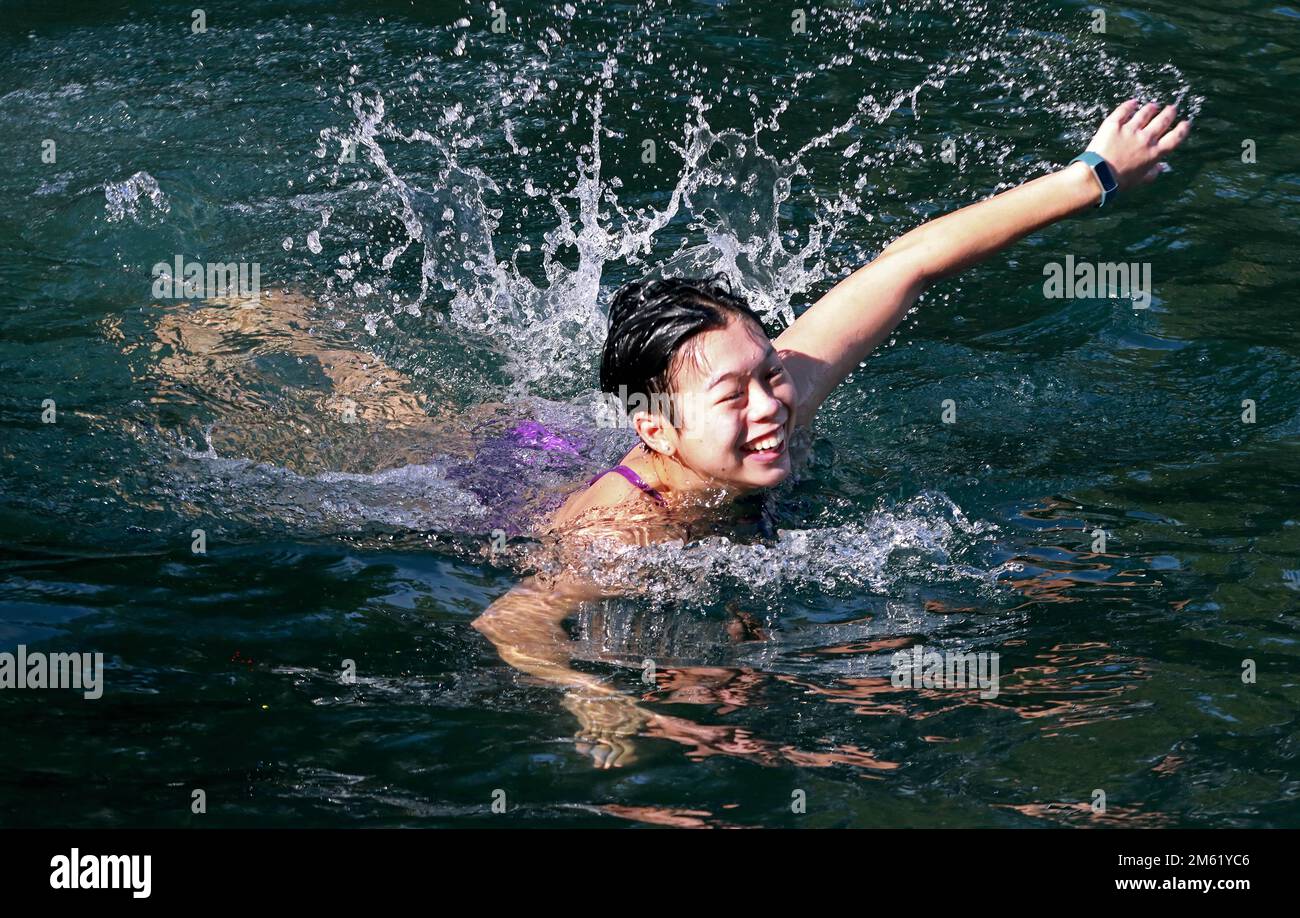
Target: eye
776	372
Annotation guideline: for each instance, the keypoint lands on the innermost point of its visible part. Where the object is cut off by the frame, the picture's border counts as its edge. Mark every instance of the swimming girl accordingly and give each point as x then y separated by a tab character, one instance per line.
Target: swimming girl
720	412
729	410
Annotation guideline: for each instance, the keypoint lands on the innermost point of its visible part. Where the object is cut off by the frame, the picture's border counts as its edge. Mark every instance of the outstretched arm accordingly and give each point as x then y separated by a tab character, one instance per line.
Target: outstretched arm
829	340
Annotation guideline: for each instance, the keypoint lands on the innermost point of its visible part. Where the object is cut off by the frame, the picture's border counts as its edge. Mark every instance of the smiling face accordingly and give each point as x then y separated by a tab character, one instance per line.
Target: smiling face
735	404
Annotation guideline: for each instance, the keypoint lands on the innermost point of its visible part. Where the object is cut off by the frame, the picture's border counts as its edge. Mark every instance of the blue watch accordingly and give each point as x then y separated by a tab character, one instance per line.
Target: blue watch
1101	169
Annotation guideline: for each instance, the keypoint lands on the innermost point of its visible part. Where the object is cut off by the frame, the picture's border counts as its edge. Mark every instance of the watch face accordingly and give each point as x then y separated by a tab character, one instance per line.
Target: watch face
1108	183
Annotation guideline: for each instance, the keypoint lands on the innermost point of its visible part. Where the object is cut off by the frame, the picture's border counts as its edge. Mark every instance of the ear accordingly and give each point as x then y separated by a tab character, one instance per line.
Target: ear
655	432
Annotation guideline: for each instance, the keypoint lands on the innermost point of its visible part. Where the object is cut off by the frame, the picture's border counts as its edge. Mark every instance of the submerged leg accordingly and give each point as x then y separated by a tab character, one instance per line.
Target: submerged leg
286	387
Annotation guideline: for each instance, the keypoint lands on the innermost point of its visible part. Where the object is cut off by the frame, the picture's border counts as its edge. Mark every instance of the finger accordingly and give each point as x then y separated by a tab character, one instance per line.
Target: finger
1143	116
620	755
1161	123
1171	140
1123	112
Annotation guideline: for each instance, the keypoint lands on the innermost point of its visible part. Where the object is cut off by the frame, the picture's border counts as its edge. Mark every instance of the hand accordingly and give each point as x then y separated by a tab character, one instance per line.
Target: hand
1133	139
608	725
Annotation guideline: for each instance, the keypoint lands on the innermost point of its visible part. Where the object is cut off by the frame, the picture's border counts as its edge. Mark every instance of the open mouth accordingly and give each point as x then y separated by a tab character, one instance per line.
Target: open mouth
766	447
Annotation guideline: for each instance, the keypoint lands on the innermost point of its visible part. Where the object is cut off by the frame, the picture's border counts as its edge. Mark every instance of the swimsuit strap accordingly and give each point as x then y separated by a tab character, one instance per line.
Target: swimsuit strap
633	479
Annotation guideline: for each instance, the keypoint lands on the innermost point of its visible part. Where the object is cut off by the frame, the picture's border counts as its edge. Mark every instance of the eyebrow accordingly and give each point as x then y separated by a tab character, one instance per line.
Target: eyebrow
767	355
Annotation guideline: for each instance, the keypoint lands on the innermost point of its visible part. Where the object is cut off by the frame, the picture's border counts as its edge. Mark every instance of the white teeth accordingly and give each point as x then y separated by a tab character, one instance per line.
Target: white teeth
771	442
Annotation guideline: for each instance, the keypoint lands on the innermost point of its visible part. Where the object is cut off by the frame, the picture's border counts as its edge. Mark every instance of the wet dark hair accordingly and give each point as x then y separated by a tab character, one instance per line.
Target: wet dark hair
650	323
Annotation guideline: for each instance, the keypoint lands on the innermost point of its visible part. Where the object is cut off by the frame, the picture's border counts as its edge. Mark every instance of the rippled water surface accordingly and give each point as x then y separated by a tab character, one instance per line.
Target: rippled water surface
440	214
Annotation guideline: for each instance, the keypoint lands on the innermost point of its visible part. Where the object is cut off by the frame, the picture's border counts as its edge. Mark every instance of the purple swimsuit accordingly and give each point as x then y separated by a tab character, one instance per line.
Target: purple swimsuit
545	456
632	478
536	436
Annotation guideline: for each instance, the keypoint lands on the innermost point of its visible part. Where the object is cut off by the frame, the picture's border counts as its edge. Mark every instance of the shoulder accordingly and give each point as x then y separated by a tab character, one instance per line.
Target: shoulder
607	491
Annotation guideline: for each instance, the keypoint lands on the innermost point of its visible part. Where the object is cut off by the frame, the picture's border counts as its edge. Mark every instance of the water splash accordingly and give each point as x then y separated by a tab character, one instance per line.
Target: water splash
771	206
266	498
124	198
924	538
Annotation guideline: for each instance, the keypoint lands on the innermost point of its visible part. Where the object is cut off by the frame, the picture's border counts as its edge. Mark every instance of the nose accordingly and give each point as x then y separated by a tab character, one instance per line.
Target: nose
764	406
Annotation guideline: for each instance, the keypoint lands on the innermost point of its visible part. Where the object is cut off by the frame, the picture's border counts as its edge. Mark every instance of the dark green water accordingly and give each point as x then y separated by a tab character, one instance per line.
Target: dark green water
498	198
